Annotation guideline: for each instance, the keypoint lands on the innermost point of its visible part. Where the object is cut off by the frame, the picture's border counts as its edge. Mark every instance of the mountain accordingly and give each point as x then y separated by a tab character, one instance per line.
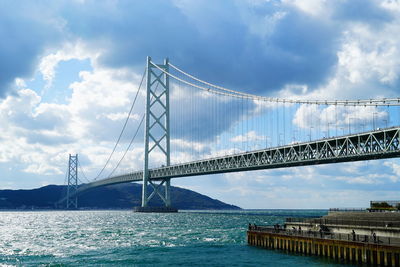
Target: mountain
120	196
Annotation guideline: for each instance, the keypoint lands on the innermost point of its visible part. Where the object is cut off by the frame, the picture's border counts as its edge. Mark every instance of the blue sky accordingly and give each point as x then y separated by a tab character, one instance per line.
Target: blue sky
69	71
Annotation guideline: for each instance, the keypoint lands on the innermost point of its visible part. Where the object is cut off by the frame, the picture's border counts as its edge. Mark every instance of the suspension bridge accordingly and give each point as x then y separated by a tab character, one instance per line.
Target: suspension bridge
191	127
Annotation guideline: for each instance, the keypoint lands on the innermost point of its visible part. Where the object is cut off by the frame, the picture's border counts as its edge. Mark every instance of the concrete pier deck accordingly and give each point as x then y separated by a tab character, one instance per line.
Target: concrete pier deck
383	224
379	251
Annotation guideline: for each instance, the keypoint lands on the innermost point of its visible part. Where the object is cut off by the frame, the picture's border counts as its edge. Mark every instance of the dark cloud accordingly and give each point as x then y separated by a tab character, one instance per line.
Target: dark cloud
214	43
217	43
48	140
48	120
129	31
26	30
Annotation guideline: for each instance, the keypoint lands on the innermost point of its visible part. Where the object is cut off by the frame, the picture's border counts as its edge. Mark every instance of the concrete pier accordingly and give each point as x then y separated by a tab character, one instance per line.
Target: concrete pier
155	209
344	248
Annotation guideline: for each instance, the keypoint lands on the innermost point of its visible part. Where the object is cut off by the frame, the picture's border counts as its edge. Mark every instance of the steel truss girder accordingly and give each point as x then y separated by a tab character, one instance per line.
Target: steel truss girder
366	146
380	144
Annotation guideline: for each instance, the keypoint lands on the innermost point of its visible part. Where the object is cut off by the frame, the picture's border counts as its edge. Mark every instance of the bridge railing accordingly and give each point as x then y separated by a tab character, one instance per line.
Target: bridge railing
350	222
346	209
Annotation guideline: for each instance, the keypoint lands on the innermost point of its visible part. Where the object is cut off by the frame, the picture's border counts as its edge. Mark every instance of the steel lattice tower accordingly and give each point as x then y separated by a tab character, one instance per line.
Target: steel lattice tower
72	187
157	128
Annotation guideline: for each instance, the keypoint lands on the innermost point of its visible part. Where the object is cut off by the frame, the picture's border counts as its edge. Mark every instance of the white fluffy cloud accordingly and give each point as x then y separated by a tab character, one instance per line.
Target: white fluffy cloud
76	50
39	135
247	137
318	8
337	117
368	59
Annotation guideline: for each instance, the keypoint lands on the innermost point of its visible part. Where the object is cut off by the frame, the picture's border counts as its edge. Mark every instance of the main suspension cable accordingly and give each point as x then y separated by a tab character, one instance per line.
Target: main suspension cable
233	93
129	146
83	173
123	128
133	138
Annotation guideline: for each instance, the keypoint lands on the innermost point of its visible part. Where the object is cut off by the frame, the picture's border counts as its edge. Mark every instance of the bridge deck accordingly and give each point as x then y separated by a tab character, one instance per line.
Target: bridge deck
379	144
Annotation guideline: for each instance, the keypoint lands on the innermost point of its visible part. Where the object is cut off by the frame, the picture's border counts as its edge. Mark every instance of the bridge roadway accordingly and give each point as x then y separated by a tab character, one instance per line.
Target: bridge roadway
379	144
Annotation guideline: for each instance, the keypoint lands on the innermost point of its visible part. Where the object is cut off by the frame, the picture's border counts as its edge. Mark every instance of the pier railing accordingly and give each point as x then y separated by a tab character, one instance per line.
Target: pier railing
348	222
347	209
370	239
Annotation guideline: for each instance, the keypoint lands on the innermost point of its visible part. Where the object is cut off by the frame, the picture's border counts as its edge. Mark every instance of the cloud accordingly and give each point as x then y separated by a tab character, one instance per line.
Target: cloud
371	57
367	53
249	136
260	55
318	8
369	12
395	167
25	112
48	63
360	118
27	31
255	46
39	135
393	6
324	186
201	116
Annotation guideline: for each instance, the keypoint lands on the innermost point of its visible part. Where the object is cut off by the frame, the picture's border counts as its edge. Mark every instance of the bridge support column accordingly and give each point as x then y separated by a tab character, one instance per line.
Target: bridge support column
157	132
72	187
168	193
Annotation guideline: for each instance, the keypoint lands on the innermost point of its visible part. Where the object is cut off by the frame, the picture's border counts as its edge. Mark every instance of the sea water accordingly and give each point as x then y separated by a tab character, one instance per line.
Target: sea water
125	238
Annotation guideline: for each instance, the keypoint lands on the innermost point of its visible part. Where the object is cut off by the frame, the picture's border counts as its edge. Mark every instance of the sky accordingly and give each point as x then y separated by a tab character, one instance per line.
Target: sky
69	71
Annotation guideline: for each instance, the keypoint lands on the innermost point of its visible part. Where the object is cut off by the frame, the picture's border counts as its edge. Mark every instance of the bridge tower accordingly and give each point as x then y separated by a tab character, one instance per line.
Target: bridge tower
157	131
72	187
